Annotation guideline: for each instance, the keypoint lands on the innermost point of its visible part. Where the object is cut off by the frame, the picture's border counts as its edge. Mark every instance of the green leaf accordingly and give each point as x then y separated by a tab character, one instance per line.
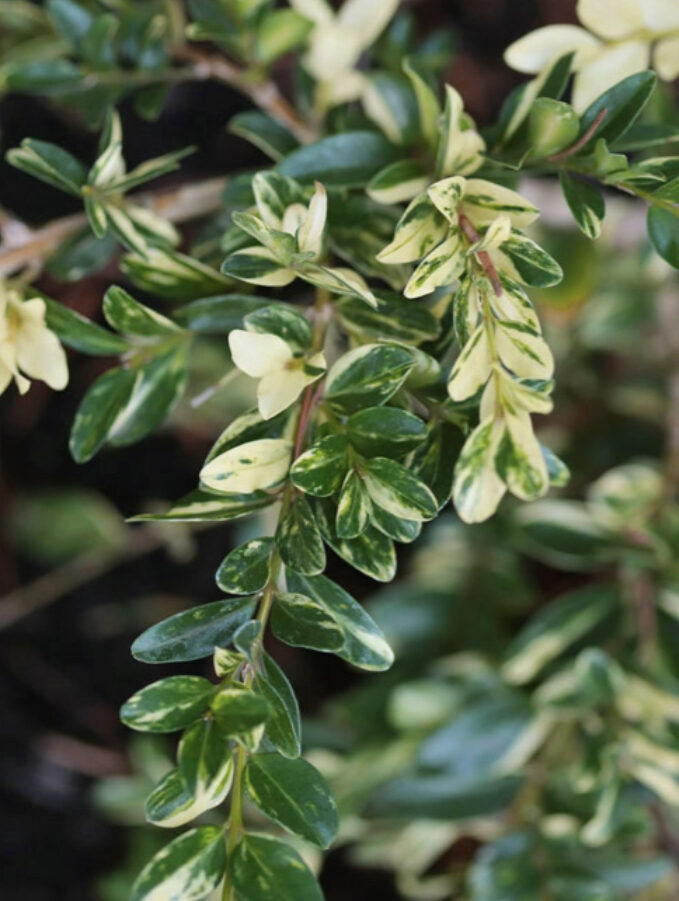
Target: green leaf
294	795
288	323
398	182
433	460
259	266
279	32
321	470
168	705
189	868
81	255
445	796
403	530
238	711
283	726
552	125
218	315
246	569
80	333
386	431
51	77
585	202
264	132
347	160
173	276
397	490
171	804
194	633
623	104
353	507
129	317
371	553
393	319
663	231
202	506
50	164
205	761
427	103
298	539
367	376
389	100
263	868
556	627
364	643
158	385
302	622
98	411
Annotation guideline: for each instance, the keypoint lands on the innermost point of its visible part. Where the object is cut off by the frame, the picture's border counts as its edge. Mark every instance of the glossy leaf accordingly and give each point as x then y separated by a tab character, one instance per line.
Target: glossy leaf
263	868
193	634
294	795
245	570
168	705
298	539
364	644
190	867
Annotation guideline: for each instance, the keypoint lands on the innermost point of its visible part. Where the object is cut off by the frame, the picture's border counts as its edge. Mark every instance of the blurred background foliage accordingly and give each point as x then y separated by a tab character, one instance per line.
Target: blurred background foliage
466	705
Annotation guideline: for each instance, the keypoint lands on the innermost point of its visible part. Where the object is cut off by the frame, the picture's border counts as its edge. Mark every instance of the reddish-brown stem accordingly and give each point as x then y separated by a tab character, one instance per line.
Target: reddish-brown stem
312	395
580	143
482	255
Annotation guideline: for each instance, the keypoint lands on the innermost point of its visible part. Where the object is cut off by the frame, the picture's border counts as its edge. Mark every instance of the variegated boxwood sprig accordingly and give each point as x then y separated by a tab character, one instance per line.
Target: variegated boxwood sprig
466	231
103	187
289	229
446	143
242	735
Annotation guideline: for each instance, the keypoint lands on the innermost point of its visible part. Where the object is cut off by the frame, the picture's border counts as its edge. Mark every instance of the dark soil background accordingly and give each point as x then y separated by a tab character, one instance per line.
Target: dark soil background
65	669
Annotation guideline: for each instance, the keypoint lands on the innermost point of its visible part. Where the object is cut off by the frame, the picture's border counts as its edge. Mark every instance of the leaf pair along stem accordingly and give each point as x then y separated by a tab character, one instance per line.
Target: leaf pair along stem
310	399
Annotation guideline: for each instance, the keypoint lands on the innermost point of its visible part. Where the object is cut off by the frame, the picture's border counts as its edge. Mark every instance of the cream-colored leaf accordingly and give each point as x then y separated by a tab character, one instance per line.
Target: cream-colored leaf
253	466
496	234
258	354
666	58
279	390
527	478
472	367
310	234
293	217
441	267
478	488
483	200
40	355
419	229
542	47
607	68
446	196
368	18
612	21
524	351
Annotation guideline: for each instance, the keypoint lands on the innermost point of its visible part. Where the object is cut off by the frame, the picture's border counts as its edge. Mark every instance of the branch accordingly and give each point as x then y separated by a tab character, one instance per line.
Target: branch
23	246
264	94
482	256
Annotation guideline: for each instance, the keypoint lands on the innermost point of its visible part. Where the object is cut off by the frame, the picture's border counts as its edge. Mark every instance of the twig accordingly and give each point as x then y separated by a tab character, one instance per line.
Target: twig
580	143
177	205
264	94
26	599
482	255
